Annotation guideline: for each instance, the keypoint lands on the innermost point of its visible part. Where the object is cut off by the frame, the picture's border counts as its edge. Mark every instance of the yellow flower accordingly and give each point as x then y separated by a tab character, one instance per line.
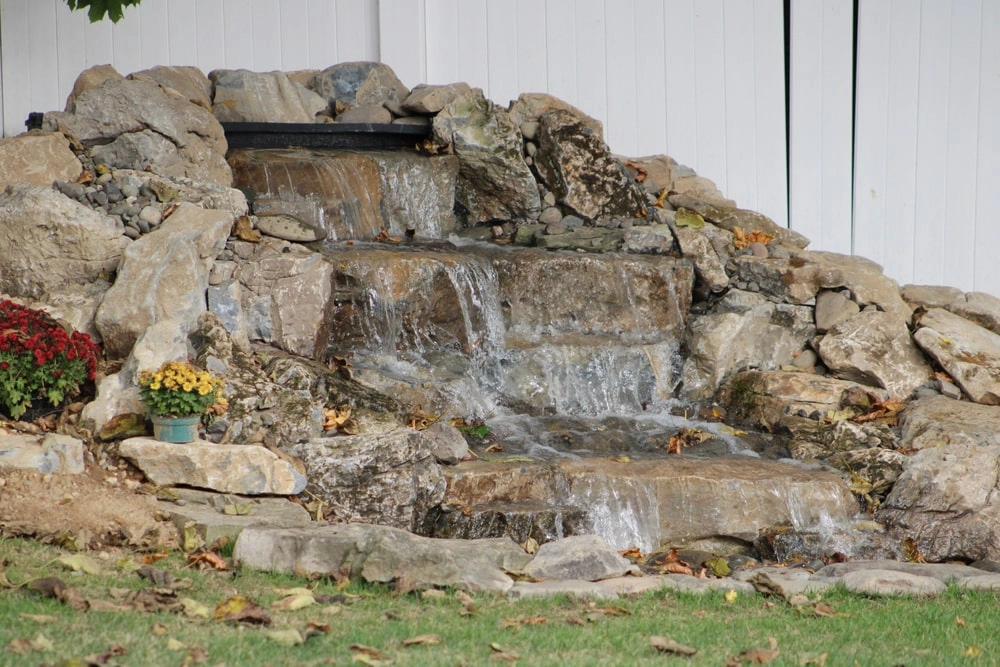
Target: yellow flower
154	385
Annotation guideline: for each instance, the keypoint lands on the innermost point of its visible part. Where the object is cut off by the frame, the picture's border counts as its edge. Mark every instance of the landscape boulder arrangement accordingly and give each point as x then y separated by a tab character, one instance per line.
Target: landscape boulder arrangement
120	220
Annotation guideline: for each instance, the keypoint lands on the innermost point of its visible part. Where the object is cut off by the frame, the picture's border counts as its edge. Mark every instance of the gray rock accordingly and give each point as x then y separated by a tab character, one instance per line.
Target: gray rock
832	308
978	307
380	554
729	217
242	96
285	296
575	164
288	227
214	515
945	501
550	215
939	421
875	348
163	276
891	582
365	113
189	82
709	268
136	124
430	99
91	78
529	108
584	557
52	244
52	453
37	158
744	330
866	282
968	352
391	479
348	84
930	296
447	442
766	397
650	240
494	183
243	469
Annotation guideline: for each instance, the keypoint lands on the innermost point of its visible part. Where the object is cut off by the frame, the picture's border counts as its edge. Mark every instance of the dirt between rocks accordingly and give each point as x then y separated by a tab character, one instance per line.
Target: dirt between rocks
93	510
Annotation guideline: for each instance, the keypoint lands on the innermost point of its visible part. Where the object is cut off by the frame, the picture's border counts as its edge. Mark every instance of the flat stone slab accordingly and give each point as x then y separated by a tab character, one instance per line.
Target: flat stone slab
216	515
52	453
585	557
244	469
891	582
379	554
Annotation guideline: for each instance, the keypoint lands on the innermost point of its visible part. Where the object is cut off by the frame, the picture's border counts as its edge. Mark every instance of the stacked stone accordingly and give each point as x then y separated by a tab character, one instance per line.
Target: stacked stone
129	201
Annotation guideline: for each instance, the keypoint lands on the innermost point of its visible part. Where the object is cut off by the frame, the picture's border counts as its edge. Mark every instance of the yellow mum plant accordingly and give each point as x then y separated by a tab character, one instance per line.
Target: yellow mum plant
178	389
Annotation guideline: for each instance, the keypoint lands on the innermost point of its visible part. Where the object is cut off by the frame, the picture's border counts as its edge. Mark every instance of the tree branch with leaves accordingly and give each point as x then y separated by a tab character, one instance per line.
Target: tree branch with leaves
97	9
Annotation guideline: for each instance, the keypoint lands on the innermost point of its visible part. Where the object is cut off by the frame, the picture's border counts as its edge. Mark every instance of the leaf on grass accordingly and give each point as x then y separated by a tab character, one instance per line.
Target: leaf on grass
959	621
731	595
285	636
422	640
156	577
671	647
687	218
755	656
208	559
973	652
192	540
175	645
500	653
527	620
53	587
468	604
368	655
114	651
20	645
299	598
159	630
610	610
433	594
79	563
149	559
240	609
764	585
818	660
5	582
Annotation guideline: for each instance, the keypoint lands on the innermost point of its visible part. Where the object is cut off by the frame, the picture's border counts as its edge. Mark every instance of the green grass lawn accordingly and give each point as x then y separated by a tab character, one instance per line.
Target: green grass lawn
448	628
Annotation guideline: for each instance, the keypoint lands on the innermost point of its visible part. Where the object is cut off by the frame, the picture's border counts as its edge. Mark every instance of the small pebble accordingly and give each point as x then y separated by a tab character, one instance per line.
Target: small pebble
152	215
550	215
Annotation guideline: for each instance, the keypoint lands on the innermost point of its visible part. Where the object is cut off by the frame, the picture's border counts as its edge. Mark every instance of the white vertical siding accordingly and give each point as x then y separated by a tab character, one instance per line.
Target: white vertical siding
700	80
927	140
821	93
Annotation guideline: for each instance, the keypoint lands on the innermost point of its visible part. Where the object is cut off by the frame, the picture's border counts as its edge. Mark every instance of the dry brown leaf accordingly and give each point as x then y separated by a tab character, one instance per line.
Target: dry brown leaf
422	640
468	604
767	586
208	559
755	656
243	230
53	587
633	554
239	609
674	446
368	655
500	653
149	559
39	618
671	647
611	610
21	645
641	173
959	621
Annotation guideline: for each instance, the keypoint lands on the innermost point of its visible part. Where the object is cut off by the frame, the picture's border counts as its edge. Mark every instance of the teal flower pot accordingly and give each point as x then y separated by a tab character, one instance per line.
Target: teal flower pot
176	429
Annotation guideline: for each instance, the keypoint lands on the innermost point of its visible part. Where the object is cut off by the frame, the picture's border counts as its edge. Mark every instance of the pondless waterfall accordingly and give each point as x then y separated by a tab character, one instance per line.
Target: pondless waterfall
570	359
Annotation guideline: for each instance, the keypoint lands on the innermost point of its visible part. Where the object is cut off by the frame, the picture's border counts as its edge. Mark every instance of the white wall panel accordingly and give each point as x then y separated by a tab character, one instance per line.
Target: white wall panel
820	122
987	234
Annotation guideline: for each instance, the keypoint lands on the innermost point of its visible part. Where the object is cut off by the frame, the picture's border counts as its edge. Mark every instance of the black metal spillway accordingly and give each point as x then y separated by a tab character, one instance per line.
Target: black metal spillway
324	135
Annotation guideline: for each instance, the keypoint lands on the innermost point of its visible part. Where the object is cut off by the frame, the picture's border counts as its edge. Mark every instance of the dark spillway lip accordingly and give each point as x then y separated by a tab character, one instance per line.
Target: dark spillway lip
323	135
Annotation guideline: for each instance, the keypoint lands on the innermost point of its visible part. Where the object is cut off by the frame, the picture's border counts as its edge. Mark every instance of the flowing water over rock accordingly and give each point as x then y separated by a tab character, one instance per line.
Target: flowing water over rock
570	359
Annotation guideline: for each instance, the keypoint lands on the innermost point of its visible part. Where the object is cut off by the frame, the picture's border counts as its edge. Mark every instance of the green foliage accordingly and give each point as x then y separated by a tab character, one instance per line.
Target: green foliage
39	360
96	9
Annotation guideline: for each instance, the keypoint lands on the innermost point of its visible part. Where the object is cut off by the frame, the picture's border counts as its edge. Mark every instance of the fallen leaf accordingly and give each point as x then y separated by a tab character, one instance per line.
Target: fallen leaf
731	595
973	651
300	599
149	559
192	540
238	509
634	554
764	585
422	640
243	229
53	587
718	567
467	602
433	594
79	563
175	645
641	173
530	545
368	655
285	637
114	651
818	660
959	621
208	558
687	218
500	653
240	609
756	656
671	647
159	630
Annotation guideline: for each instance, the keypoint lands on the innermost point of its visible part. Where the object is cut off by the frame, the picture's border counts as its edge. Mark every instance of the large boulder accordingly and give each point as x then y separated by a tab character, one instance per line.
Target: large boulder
939	421
38	158
968	352
743	330
137	124
494	182
285	292
52	243
163	275
346	85
242	96
946	502
576	165
189	82
875	348
391	479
